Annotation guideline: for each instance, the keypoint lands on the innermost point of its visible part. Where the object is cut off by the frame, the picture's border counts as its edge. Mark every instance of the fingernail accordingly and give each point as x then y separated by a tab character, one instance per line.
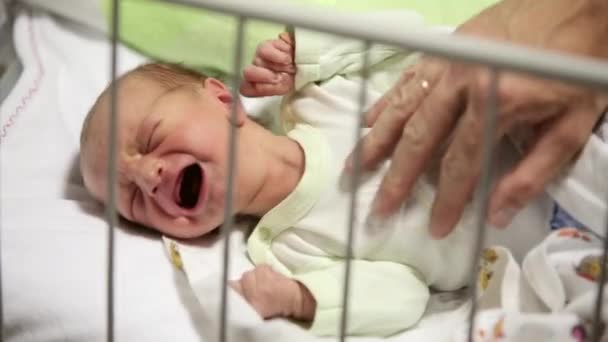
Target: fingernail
502	217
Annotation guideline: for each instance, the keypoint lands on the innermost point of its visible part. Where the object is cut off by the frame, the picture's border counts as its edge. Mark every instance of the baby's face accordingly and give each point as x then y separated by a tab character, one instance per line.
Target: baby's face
172	162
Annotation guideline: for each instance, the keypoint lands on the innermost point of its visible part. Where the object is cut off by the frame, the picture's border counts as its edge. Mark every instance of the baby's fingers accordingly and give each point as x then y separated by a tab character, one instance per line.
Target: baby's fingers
265	89
275	51
257	74
276	67
288	40
236	286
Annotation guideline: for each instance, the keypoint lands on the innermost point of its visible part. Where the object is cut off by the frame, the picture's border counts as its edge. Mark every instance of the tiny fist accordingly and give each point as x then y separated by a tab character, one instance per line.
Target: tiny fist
236	286
268	292
286	37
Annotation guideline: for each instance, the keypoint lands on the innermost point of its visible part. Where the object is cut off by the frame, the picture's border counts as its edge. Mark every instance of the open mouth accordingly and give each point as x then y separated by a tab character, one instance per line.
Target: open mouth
190	186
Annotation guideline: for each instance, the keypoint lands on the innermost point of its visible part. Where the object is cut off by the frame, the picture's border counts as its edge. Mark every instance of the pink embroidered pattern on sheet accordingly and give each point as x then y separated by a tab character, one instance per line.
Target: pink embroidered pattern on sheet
32	90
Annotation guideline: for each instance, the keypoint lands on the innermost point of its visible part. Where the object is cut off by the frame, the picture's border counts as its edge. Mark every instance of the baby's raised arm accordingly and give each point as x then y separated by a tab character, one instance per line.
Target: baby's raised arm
272	71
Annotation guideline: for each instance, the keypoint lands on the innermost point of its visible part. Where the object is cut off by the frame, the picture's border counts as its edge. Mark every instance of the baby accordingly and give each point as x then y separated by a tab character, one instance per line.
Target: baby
172	163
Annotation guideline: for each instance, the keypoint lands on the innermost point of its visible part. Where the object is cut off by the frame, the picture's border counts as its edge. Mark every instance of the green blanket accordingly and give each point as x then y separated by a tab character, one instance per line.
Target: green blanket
205	40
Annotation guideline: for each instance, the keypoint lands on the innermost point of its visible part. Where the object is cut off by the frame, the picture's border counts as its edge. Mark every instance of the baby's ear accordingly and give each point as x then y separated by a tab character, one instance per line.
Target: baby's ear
219	90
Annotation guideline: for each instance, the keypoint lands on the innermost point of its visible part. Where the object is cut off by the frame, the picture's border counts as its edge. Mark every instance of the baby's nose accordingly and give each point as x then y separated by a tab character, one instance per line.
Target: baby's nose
150	175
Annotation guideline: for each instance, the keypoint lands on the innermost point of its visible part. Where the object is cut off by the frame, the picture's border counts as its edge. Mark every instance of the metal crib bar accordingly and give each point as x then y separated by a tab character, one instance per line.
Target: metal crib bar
1	288
457	47
1	292
483	193
354	186
228	206
111	214
3	25
597	331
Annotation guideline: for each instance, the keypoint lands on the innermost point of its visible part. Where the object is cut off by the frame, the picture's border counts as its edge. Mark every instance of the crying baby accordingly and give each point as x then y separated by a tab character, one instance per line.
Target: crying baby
172	165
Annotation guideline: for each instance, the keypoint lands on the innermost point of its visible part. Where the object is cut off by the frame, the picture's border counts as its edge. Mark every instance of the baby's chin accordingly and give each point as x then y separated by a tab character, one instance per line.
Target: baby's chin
189	231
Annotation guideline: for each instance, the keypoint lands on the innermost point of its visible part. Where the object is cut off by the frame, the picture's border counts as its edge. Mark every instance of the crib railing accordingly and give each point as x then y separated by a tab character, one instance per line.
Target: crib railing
496	56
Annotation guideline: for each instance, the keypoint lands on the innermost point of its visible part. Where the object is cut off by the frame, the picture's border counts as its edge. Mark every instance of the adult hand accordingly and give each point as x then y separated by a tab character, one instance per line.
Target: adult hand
437	101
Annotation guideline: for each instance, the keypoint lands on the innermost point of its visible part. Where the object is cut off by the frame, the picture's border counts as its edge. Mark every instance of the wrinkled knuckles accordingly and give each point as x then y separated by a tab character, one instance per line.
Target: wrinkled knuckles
455	169
373	146
525	187
482	84
415	134
264	47
393	191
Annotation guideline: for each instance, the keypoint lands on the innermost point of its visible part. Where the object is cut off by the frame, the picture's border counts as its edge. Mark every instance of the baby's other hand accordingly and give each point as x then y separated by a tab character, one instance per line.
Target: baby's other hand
274	295
273	69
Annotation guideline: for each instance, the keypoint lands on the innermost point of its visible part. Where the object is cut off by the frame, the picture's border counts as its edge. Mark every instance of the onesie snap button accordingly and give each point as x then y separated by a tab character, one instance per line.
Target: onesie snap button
265	233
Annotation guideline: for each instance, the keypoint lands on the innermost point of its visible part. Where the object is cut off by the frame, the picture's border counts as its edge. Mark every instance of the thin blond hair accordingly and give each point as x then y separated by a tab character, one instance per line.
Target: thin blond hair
168	75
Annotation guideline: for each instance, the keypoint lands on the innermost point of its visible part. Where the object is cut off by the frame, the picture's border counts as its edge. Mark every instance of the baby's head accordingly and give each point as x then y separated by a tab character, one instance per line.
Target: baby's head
171	149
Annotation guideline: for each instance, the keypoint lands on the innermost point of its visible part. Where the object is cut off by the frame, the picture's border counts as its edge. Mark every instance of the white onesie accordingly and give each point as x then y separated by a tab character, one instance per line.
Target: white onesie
395	260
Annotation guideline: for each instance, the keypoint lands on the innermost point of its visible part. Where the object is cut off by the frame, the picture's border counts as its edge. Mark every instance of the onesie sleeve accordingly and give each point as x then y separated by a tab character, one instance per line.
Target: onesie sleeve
320	56
385	297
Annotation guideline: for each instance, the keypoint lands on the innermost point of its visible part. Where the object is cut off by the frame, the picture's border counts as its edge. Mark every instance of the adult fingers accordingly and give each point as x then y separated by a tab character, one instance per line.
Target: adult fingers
422	134
392	113
425	72
458	172
373	113
520	103
561	139
461	164
380	106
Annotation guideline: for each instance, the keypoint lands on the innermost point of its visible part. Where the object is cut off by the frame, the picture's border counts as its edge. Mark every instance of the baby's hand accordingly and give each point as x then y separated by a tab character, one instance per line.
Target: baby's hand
273	295
273	69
